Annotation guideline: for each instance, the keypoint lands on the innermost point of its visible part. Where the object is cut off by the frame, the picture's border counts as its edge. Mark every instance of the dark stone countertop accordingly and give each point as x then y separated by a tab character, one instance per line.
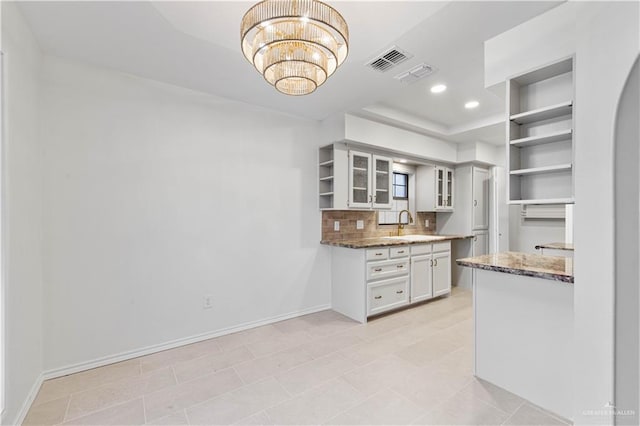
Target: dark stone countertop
530	265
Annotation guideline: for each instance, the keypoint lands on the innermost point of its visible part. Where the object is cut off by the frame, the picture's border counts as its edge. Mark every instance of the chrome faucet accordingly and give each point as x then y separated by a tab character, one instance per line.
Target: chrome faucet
400	224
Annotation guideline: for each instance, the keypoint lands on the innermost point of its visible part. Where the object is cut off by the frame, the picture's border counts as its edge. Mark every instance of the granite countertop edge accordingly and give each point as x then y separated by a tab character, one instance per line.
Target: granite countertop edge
522	270
383	242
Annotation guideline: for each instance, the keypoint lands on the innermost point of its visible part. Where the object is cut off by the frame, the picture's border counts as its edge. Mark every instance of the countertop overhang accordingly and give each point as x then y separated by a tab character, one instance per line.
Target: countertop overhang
387	242
531	265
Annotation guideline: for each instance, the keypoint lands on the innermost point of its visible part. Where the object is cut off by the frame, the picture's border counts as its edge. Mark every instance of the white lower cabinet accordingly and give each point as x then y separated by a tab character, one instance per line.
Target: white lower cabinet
421	277
387	294
391	277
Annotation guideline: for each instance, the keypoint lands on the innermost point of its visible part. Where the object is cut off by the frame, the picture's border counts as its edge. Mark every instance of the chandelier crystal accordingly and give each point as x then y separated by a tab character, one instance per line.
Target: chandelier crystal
295	44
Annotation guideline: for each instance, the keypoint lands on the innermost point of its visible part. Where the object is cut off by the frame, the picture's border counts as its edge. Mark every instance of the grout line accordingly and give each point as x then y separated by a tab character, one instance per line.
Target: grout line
186	416
547	413
144	410
514	413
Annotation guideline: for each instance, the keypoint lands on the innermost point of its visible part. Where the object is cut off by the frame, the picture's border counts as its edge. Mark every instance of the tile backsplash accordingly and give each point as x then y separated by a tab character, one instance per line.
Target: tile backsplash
348	219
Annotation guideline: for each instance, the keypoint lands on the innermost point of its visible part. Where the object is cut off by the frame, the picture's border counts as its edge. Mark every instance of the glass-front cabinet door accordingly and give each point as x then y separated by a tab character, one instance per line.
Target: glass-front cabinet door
360	194
383	174
449	183
440	188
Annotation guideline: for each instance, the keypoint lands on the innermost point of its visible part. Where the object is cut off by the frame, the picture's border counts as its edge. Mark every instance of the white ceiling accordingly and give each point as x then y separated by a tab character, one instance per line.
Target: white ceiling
196	45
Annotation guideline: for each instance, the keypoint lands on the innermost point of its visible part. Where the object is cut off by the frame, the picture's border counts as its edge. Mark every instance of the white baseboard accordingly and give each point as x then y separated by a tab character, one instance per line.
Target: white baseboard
31	396
123	356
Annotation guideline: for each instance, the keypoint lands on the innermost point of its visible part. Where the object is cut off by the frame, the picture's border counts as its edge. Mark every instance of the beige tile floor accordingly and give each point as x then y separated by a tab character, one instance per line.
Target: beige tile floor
409	367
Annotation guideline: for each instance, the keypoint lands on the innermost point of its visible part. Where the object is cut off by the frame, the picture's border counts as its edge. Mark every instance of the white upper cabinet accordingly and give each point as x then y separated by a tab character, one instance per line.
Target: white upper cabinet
369	180
360	194
480	202
435	189
353	179
381	182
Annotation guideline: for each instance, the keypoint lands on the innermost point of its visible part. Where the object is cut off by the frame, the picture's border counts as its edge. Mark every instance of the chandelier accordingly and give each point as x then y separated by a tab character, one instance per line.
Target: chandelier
295	44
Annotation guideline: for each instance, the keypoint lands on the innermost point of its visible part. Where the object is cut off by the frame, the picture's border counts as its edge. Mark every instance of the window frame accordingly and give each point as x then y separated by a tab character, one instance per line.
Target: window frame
393	186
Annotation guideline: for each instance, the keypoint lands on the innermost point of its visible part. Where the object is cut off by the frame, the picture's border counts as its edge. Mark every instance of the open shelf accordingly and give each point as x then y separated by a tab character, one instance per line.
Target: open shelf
567	200
327	163
325	194
542	139
326	178
540	170
545	113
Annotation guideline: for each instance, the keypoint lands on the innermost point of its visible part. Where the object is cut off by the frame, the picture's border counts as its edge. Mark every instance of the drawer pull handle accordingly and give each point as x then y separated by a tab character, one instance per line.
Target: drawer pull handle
378	297
399	291
377	270
400	266
378	254
401	251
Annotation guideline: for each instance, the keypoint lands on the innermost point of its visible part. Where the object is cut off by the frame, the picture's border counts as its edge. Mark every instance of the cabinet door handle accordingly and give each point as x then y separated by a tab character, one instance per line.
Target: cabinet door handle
475	238
378	297
377	270
399	291
475	203
431	262
435	262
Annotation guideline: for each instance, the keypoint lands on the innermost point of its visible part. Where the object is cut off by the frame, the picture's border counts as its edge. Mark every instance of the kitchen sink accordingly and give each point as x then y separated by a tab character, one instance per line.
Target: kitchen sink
414	237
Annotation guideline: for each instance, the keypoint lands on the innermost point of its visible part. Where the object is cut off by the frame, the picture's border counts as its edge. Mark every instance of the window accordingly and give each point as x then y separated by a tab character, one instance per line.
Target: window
400	186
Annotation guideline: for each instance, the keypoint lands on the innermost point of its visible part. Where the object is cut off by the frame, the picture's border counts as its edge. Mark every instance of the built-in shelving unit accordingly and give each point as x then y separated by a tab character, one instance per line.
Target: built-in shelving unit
539	170
542	139
325	177
539	128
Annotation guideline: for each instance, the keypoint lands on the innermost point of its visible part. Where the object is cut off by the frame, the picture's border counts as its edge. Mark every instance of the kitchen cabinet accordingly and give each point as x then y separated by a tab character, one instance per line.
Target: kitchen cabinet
349	179
480	204
369	180
480	243
430	271
392	277
435	189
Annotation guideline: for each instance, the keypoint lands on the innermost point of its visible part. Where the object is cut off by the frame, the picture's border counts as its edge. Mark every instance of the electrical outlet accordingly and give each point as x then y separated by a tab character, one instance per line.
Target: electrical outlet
360	224
336	225
207	301
426	223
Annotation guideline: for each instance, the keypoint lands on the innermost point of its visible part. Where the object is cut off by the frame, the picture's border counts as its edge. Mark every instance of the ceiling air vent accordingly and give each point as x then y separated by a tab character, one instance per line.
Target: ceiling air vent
388	59
415	73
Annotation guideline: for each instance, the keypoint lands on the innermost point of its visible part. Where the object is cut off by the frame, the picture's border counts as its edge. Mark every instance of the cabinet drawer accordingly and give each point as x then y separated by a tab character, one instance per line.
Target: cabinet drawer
378	254
443	246
420	249
387	268
396	252
388	294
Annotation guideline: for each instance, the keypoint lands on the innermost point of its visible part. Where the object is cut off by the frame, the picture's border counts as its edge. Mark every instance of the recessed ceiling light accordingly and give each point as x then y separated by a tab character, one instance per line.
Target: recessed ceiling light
471	104
438	88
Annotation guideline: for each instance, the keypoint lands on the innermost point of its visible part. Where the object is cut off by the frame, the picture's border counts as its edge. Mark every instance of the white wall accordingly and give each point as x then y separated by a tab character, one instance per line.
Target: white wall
605	39
22	210
608	45
524	235
157	195
398	140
